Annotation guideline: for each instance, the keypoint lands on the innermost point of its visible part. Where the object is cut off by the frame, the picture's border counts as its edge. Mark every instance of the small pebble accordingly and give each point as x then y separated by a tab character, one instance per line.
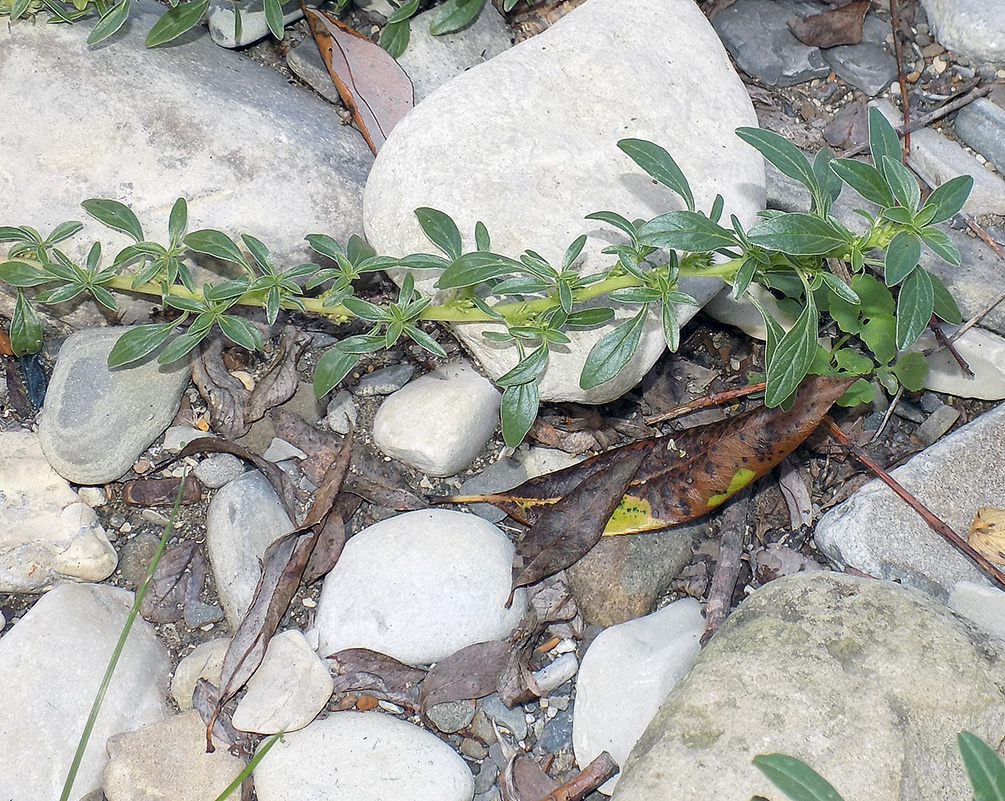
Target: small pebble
153	516
341	413
930	402
387	706
384	381
93	496
199	615
553	676
937	424
475	750
280	450
218	469
451	716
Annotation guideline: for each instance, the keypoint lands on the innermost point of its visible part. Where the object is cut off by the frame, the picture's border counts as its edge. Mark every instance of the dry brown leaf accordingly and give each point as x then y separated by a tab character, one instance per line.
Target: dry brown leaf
361	670
472	672
836	26
987	534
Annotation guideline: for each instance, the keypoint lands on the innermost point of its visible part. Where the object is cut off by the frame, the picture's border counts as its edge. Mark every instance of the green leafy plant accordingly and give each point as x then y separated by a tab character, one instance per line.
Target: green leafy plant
533	305
800	782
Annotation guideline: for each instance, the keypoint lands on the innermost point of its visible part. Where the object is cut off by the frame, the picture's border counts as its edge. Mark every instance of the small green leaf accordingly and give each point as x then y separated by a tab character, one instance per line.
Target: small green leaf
942	245
63	231
334	365
138	342
778	150
792	357
12	233
984	767
475	267
660	165
178	221
454	15
113	19
274	17
325	245
216	244
441	230
864	179
259	252
949	198
850	361
19	7
635	294
798	235
365	310
176	21
685	230
671	325
879	334
394	38
615	219
573	251
527	369
914	308
25	328
795	778
61	294
743	277
883	140
862	391
403	12
903	184
829	183
912	370
613	351
518	411
112	213
902	256
241	331
587	318
945	304
21	274
423	340
482	239
182	345
840	288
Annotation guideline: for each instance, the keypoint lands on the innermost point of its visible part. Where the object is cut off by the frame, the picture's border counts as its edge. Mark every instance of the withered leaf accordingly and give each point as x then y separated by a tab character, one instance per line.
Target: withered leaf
283	566
224	394
370	82
836	26
987	534
379	675
525	780
332	538
204	701
170	584
160	491
685	475
281	380
472	672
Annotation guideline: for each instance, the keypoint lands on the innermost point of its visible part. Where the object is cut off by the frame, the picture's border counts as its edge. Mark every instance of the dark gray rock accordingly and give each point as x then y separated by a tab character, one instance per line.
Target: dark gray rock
451	716
866	65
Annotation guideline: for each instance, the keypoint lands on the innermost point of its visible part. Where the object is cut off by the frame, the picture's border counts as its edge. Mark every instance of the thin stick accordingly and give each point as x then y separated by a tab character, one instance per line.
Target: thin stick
586	781
899	57
945	342
979	230
927	515
889	413
714	399
927	119
733	538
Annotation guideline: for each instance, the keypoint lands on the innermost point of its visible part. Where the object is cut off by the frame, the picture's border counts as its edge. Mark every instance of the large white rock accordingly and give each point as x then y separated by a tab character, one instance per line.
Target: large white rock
52	663
626	673
420	586
95	421
205	661
243	519
527	143
47	534
168	760
982	604
289	689
973	28
362	756
439	422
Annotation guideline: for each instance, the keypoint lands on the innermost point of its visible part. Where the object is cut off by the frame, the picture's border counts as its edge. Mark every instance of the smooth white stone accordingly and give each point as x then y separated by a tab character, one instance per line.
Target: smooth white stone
342	413
973	28
982	604
218	469
983	351
553	676
204	662
47	533
243	519
420	586
289	689
279	450
362	756
439	422
52	663
626	673
177	437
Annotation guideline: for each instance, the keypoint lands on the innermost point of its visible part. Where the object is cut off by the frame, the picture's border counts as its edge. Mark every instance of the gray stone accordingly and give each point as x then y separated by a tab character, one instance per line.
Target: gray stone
451	716
47	533
622	577
384	381
531	158
514	720
982	604
557	733
983	352
187	120
243	519
865	65
198	614
222	21
280	450
203	662
844	673
626	673
137	554
981	125
177	437
440	422
342	413
96	421
430	61
168	759
876	532
289	689
306	63
557	673
420	586
757	36
971	28
362	756
218	469
53	662
937	424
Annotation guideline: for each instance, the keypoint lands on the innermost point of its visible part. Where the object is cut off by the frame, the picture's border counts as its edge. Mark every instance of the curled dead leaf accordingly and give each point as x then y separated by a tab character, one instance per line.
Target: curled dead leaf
987	534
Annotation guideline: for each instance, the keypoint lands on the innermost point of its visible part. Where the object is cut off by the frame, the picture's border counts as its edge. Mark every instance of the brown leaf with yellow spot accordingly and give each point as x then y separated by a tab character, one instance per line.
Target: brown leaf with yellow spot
987	534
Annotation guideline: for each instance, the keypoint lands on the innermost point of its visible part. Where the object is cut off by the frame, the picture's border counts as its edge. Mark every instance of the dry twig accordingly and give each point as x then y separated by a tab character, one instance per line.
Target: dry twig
733	539
586	781
714	399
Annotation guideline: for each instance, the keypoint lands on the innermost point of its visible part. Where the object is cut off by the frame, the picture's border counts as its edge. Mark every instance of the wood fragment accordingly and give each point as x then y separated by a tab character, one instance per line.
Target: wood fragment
715	399
733	532
586	781
933	521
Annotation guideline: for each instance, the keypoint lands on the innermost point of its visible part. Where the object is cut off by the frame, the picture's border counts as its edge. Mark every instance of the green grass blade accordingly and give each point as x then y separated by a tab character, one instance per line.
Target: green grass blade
244	774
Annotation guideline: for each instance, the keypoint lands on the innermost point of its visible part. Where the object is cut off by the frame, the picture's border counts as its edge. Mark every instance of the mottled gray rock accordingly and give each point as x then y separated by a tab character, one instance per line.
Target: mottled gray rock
243	519
756	35
936	424
47	533
280	450
868	64
52	663
289	689
439	422
626	673
420	586
847	674
876	532
972	28
341	414
622	577
362	756
384	381
187	120
306	63
451	716
981	125
168	760
530	158
95	421
203	662
513	719
218	469
982	604
222	19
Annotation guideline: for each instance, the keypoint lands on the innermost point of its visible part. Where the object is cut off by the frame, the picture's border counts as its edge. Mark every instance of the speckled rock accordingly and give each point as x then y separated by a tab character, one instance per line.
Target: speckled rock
973	28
